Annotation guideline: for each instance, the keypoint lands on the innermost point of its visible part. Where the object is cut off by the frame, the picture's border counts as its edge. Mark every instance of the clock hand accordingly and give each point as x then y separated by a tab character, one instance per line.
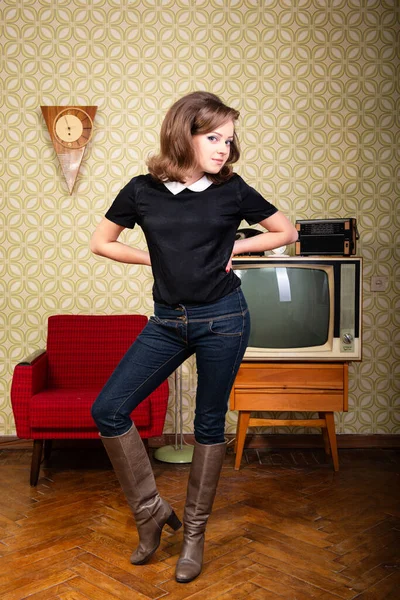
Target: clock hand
68	127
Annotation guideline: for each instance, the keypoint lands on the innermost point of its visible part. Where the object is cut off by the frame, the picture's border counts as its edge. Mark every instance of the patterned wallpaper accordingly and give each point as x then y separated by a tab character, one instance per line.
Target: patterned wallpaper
317	84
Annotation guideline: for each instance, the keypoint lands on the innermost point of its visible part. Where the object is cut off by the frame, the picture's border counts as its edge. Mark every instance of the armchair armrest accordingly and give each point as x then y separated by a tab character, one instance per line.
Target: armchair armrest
29	378
28	360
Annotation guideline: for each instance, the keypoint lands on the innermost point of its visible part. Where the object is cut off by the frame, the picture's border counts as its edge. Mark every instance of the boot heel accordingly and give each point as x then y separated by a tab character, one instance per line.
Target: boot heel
174	522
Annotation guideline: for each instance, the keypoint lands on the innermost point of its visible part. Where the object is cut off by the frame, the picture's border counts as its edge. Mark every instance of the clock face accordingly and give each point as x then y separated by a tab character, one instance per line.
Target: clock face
73	128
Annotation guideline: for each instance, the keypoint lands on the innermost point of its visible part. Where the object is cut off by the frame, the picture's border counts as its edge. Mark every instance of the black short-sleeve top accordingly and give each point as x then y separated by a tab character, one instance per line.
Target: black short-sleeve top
190	235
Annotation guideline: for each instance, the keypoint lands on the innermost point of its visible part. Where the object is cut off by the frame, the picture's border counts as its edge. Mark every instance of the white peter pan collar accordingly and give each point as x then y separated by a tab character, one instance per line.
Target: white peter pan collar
198	186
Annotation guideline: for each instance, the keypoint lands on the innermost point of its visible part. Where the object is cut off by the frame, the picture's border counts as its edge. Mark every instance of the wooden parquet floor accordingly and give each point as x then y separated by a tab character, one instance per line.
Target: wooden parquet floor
284	527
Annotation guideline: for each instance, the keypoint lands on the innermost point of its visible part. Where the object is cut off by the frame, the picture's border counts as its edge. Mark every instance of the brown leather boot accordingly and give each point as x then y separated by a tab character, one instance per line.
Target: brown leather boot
133	469
203	480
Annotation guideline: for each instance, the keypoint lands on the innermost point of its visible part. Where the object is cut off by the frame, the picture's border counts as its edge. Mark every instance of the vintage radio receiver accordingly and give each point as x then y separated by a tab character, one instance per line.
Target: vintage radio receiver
326	237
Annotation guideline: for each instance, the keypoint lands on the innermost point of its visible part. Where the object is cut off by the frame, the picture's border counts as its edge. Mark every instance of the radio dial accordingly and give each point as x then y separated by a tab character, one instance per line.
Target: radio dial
347	338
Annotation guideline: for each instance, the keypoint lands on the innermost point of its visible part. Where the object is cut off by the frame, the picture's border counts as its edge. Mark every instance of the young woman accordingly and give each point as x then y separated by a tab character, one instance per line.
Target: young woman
189	206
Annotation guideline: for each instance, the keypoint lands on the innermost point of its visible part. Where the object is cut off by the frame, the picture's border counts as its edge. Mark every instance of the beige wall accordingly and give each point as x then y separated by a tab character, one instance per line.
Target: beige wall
316	82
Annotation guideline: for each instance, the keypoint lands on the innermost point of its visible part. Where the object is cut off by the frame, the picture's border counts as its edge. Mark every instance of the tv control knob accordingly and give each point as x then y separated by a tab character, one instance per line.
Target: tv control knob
347	338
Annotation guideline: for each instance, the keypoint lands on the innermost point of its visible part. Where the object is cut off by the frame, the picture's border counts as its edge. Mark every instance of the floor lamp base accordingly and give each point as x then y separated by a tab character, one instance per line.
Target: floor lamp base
171	454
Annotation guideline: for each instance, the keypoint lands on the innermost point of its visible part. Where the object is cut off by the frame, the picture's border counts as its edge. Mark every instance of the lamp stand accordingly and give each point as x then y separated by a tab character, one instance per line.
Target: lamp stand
181	453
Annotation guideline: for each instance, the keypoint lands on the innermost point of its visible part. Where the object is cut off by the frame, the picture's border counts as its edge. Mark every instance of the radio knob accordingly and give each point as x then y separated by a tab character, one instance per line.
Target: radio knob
347	338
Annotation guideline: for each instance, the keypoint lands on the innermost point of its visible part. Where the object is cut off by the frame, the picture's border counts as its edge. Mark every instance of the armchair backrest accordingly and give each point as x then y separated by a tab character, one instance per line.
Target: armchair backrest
83	350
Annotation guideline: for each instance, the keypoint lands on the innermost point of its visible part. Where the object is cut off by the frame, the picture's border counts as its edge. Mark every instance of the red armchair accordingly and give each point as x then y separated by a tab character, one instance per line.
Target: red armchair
53	390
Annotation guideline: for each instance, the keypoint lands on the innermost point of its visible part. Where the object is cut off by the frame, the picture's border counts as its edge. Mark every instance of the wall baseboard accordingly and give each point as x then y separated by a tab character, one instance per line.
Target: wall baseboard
297	440
258	441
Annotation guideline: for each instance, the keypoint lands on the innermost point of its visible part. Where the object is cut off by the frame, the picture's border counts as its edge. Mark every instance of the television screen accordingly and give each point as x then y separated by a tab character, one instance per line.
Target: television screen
289	306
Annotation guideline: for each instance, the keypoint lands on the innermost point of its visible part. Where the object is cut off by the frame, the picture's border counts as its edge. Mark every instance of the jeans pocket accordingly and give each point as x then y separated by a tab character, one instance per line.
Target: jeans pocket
229	326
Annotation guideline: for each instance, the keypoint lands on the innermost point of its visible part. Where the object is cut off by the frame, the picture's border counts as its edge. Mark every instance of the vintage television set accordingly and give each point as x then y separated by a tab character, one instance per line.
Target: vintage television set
302	308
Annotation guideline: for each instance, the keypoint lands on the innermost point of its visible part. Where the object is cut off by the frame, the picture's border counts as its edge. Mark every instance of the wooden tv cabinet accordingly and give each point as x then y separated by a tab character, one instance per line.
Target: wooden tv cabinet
290	386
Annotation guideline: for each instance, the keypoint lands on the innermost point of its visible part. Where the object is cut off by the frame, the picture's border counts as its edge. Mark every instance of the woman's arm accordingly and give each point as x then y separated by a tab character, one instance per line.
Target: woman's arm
280	232
104	242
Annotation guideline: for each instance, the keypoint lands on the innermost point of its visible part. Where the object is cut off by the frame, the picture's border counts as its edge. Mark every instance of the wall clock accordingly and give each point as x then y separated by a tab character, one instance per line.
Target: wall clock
70	129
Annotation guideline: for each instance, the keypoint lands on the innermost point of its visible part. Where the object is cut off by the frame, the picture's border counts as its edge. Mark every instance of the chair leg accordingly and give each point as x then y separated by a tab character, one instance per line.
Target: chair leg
48	445
36	460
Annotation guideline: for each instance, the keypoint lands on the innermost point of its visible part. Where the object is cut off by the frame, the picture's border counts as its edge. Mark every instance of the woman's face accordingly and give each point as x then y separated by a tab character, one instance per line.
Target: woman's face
212	149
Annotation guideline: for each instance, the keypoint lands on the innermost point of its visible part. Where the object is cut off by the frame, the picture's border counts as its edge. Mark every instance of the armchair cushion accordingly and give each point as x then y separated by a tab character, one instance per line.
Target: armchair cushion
58	411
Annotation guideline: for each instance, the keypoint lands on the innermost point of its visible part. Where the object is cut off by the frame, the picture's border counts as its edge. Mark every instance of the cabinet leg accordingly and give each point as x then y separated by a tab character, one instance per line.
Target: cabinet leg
243	423
330	424
325	435
236	438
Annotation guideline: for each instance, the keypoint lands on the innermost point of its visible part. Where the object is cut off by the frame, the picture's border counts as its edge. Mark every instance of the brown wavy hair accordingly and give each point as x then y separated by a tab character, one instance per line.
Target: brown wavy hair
194	114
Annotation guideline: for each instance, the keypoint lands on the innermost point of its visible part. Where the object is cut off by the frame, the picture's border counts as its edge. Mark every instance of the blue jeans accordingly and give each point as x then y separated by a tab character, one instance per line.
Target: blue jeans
217	333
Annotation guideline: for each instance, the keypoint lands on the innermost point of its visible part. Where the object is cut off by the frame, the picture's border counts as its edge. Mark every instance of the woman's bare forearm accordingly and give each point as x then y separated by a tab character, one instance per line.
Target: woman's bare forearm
122	253
105	243
280	232
262	242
